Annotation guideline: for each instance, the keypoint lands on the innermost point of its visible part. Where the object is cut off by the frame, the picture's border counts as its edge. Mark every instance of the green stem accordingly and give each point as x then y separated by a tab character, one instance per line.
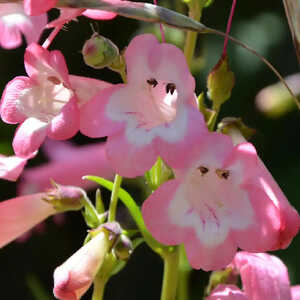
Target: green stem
212	121
170	277
195	12
114	198
184	275
99	286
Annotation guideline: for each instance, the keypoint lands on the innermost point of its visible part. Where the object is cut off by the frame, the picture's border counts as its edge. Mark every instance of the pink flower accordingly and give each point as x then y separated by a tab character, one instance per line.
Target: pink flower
45	103
74	277
295	290
68	163
223	200
14	22
20	214
263	277
11	167
153	115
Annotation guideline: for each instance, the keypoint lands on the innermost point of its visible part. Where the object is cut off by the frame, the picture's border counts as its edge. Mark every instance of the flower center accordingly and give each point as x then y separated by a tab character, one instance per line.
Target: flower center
46	99
157	105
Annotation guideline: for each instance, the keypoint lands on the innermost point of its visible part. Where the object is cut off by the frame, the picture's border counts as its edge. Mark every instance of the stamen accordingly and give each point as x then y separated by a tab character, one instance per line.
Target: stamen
203	170
223	174
170	87
152	82
54	80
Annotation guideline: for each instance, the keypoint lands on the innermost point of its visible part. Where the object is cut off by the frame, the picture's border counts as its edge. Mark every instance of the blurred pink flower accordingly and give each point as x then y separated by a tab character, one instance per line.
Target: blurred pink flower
14	21
68	163
223	200
152	115
74	277
11	167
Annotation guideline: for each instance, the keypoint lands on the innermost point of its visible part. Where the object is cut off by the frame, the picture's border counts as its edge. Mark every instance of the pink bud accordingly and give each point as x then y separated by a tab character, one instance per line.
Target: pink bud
73	278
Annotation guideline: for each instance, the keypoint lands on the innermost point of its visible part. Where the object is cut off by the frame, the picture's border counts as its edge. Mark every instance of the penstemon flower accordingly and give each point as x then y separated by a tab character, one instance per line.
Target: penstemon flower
152	115
263	276
14	21
223	200
47	102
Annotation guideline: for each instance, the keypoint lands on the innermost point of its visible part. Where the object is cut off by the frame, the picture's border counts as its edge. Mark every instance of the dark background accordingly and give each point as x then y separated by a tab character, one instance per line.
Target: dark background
27	268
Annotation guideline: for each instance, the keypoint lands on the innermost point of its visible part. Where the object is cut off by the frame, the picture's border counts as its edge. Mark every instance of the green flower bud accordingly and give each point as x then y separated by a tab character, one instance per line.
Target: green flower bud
220	82
65	198
99	52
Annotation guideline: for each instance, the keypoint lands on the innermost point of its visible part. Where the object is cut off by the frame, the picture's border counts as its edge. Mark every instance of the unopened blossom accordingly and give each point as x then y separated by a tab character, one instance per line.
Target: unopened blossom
74	277
20	214
263	276
67	165
11	167
47	102
153	114
223	200
14	22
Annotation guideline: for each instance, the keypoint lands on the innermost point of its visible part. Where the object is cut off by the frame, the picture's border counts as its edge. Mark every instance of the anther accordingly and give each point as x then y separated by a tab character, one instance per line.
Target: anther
152	82
203	170
223	174
54	80
170	87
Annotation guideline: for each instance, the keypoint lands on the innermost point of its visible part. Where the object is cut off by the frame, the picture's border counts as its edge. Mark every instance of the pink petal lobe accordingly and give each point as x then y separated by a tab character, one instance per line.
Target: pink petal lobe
263	276
9	102
29	136
227	292
10	37
11	167
20	214
66	15
138	160
94	121
66	124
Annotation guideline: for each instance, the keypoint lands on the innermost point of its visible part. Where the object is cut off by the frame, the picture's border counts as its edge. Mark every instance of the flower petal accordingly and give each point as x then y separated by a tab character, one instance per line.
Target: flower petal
227	292
29	136
11	167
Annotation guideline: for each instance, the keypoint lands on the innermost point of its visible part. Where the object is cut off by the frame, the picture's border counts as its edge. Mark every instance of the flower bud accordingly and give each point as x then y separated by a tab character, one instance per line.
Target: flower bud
220	82
99	52
123	248
65	198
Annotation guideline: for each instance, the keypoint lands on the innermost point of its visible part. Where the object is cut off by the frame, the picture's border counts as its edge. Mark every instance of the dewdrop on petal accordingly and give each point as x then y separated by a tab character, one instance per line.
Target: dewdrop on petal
99	52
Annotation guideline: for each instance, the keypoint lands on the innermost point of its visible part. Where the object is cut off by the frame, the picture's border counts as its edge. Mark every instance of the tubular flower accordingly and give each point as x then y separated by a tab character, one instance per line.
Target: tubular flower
67	165
74	277
263	277
11	167
14	21
20	214
223	200
152	115
47	102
